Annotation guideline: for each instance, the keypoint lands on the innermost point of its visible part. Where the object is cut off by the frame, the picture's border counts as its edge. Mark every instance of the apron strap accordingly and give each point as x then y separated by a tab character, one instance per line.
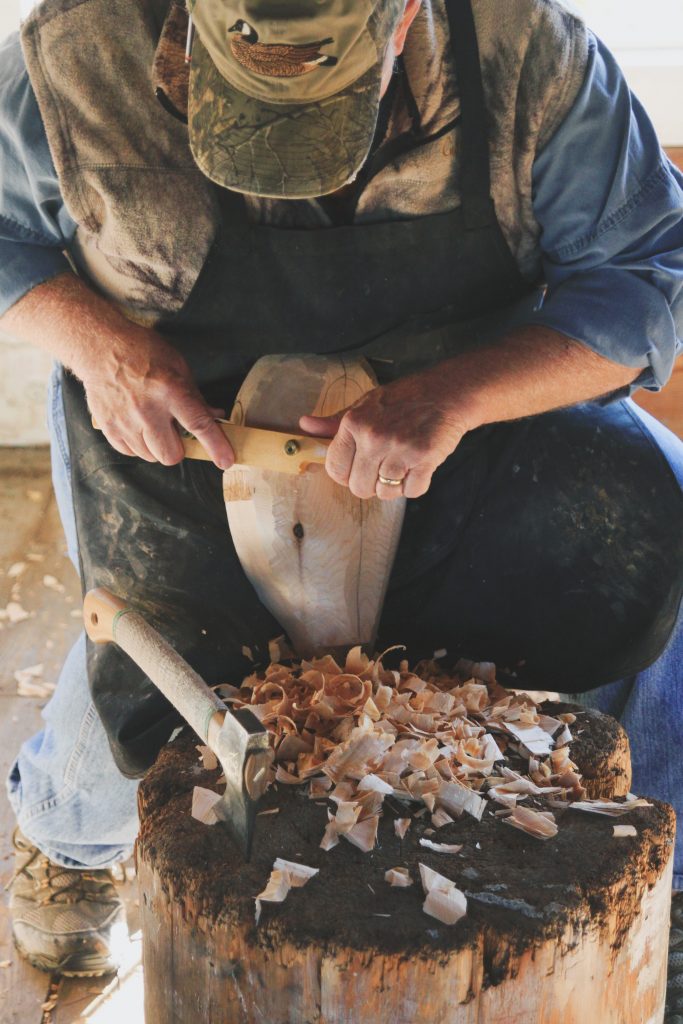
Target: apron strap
475	176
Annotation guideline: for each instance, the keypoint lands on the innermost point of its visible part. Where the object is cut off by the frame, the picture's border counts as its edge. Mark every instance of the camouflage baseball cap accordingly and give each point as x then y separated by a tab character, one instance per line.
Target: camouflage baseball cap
284	94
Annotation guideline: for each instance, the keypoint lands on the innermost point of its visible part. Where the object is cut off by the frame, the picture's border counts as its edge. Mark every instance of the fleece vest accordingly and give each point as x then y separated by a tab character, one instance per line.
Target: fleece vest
146	215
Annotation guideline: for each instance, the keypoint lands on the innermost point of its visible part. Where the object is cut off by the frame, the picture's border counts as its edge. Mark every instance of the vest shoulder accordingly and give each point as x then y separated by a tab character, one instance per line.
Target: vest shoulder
536	51
40	12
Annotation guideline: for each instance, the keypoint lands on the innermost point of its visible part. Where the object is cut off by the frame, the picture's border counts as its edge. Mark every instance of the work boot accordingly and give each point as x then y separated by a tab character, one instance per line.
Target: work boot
63	919
674	984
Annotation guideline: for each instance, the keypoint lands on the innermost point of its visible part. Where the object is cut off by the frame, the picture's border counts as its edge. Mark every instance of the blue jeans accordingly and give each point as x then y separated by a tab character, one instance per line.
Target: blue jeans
73	803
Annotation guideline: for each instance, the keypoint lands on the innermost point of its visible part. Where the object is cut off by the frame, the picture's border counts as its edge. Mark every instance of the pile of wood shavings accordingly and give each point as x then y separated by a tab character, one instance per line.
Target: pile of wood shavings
422	741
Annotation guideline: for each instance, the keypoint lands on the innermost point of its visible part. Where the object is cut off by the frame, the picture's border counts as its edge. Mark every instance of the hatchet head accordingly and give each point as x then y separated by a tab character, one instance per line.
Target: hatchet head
241	745
237	738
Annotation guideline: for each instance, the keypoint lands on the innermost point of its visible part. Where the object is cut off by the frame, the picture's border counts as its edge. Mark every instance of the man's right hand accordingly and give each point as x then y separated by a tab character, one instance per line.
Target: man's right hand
140	390
138	386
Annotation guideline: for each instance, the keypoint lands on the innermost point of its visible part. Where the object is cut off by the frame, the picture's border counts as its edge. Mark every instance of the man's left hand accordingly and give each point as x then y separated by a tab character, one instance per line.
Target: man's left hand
401	431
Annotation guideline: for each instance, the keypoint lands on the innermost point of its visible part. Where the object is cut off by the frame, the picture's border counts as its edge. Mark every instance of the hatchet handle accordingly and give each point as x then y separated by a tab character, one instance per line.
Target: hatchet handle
108	619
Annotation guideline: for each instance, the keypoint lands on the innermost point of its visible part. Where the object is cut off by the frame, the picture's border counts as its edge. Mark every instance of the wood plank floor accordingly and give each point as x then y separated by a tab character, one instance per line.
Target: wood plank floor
47	588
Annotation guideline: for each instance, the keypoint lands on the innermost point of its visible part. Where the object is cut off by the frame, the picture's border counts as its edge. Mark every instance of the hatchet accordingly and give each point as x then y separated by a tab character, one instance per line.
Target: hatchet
237	738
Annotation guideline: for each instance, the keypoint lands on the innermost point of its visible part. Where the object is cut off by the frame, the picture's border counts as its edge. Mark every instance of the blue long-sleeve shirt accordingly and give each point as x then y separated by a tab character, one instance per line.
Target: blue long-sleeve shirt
609	203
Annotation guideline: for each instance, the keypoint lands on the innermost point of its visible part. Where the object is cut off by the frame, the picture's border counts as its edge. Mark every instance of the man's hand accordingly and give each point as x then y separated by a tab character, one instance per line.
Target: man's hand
138	386
140	390
406	429
401	431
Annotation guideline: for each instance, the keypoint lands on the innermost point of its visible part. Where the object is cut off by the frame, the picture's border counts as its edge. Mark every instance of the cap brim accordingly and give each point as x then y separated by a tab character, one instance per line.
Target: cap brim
277	150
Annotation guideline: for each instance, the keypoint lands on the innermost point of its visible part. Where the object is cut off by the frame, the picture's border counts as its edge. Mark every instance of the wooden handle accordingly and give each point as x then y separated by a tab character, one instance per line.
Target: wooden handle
265	449
107	619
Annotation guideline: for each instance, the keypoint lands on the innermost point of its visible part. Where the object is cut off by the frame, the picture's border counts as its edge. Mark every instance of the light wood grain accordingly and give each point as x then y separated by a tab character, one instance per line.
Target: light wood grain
318	557
675	154
267	449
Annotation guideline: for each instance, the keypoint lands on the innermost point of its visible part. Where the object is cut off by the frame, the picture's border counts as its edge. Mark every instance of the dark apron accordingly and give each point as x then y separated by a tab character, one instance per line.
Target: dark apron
550	545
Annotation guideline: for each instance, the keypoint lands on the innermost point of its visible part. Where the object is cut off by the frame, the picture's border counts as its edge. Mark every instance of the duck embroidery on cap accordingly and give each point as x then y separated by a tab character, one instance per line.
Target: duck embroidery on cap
277	60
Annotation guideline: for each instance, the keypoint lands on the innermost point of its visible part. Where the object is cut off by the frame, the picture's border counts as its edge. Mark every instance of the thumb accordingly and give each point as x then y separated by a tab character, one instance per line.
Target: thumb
322	426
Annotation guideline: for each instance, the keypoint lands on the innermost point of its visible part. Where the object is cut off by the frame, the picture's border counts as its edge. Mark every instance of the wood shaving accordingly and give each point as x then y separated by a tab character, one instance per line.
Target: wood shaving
534	823
441	818
622	831
330	837
319	788
28	684
534	738
373	782
363	835
446	745
609	807
441	847
16	570
285	875
203	803
271	810
207	757
52	583
15	613
399	877
35	556
401	826
444	900
5	963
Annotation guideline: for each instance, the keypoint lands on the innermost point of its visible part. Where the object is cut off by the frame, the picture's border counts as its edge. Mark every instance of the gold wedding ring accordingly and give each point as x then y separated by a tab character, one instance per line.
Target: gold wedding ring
389	482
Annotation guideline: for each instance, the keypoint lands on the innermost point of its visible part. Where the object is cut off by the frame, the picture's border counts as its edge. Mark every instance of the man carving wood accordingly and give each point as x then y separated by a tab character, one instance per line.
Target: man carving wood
464	193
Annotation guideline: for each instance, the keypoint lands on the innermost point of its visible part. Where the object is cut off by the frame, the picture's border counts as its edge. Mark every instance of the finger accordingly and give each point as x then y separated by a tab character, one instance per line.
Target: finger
197	418
165	445
391	469
139	447
127	444
388	493
363	476
417	482
340	456
218	414
321	426
117	442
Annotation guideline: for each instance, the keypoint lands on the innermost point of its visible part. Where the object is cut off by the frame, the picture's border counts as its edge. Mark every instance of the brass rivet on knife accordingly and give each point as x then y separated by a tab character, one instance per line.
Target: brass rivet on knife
291	447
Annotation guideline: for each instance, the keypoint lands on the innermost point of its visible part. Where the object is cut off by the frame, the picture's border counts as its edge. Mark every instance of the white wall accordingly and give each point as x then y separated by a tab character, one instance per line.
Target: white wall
9	17
647	39
23	370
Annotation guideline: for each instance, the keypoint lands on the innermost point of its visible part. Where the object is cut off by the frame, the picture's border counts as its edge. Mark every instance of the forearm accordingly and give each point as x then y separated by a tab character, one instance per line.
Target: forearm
404	430
531	370
138	386
83	331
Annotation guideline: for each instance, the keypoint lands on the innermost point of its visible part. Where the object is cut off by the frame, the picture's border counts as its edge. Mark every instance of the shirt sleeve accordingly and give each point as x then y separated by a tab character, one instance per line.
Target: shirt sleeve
35	226
610	207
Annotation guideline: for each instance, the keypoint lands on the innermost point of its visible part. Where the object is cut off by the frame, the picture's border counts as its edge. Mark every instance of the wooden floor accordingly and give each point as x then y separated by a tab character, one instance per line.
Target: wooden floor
667	404
31	535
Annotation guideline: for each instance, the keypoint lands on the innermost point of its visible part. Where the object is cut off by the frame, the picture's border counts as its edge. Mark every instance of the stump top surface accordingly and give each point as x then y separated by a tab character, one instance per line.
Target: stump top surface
522	889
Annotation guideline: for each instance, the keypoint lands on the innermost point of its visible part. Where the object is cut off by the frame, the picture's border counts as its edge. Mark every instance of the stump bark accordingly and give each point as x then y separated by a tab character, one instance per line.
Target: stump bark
568	931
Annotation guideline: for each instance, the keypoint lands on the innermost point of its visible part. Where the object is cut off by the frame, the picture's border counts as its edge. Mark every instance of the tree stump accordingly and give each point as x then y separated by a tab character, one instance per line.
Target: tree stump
572	930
